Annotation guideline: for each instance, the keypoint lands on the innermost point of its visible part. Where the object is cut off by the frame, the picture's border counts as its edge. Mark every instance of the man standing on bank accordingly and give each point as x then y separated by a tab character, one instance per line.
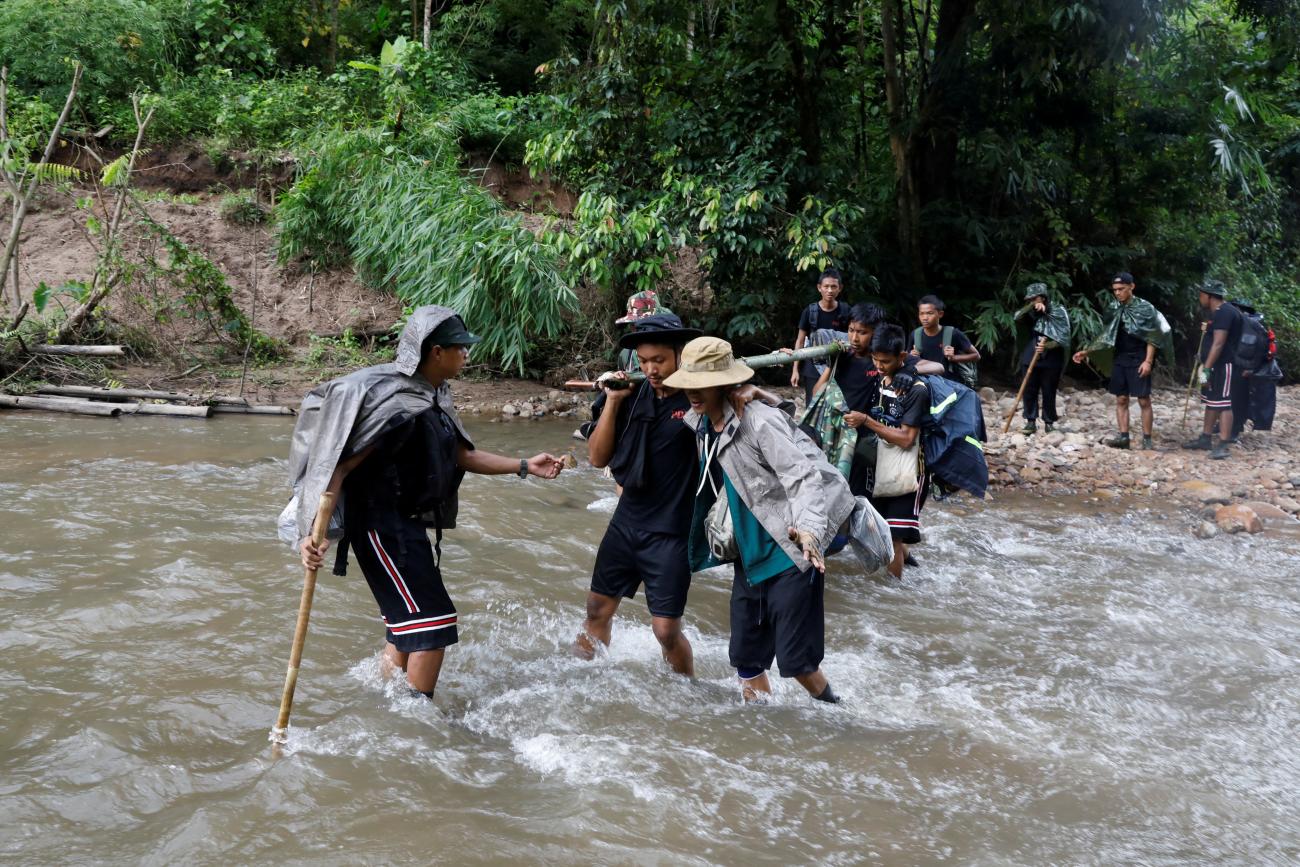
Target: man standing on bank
398	453
827	312
1128	345
1049	328
1219	375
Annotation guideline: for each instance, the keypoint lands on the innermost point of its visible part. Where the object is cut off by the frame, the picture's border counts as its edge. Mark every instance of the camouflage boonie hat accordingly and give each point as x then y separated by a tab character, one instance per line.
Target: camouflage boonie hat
1033	290
640	305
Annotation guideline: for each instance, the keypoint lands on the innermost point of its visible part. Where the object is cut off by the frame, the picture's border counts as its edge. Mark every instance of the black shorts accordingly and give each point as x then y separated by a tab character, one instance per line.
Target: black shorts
903	513
1217	391
1124	380
407	584
781	618
628	557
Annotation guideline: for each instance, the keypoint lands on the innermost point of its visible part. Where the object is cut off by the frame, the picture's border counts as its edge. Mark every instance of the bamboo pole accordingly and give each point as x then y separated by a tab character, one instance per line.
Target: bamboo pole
254	409
169	409
69	349
93	391
770	359
58	404
1195	369
1038	353
319	529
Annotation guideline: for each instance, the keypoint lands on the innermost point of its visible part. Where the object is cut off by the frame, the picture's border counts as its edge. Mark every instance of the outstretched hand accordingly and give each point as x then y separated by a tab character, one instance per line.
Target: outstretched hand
545	465
807	543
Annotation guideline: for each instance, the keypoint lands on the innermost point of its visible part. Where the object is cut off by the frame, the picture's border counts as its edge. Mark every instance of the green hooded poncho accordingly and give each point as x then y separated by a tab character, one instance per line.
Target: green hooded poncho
1054	324
1140	318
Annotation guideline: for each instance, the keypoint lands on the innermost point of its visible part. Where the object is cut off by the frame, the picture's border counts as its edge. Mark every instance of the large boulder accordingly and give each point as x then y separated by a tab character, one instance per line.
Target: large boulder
1268	511
1238	519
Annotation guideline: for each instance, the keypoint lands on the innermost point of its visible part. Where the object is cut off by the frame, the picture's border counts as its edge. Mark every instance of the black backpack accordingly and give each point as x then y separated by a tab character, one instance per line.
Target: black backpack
1253	346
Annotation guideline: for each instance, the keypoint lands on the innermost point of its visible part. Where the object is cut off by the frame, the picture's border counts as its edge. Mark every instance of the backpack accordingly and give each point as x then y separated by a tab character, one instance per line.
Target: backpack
967	372
952	438
1257	344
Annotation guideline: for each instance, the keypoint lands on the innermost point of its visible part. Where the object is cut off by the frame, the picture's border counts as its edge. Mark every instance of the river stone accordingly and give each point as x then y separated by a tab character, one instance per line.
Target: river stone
1205	491
510	409
1267	511
527	410
1206	530
1288	505
570	461
1238	518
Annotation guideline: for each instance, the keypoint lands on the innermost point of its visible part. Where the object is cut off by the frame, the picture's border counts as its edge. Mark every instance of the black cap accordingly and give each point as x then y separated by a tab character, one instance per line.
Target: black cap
659	328
452	332
1122	277
1213	287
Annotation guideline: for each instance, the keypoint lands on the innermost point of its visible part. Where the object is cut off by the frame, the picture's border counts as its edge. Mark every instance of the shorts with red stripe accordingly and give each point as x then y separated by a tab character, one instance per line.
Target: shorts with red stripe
1217	391
407	584
903	513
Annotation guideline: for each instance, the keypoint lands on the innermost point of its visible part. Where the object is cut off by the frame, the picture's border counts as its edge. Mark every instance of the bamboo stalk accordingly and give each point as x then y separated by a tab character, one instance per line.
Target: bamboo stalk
1195	370
770	359
92	391
169	409
55	404
66	349
320	527
254	409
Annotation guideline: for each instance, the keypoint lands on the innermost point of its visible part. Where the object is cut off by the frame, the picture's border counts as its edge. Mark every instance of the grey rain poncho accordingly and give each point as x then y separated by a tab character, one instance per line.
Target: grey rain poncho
343	416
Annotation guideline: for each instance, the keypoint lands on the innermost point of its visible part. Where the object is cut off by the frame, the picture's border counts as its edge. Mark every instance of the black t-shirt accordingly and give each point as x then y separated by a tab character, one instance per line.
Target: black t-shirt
664	503
412	468
857	378
837	319
910	407
1129	349
931	348
1226	318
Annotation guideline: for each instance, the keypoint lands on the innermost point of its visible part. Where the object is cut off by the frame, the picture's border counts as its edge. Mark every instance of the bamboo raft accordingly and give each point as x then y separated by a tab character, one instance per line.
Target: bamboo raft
116	402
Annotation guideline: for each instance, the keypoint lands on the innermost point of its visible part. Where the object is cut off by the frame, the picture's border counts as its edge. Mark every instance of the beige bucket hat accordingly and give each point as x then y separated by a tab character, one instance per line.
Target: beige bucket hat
707	362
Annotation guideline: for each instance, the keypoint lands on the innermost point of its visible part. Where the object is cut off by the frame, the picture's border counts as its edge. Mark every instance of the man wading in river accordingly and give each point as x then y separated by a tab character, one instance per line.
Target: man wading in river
389	439
640	437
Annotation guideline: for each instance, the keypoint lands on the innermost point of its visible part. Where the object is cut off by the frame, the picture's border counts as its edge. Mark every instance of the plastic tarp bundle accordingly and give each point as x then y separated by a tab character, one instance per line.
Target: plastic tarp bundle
1141	319
869	536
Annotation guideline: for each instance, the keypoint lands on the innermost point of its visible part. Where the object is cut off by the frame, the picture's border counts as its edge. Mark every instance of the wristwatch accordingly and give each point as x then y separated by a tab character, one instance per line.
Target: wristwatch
523	468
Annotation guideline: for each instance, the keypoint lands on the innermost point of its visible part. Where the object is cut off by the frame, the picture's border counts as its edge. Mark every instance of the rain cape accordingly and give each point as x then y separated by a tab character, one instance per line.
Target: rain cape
343	416
1140	319
1054	324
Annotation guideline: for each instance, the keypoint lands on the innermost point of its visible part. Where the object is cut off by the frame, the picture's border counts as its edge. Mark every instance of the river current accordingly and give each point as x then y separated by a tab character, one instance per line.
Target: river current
1059	683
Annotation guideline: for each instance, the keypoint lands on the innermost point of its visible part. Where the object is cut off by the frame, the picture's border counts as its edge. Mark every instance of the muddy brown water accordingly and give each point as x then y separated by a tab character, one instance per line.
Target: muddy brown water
1054	685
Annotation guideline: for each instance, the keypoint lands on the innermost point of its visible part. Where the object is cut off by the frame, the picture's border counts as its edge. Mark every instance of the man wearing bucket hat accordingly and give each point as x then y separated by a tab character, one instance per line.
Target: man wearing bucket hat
638	434
1219	375
1049	327
767	501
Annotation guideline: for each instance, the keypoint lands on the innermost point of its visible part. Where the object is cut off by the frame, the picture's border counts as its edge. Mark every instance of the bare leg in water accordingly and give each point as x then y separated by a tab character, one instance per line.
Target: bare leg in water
422	667
756	688
599	627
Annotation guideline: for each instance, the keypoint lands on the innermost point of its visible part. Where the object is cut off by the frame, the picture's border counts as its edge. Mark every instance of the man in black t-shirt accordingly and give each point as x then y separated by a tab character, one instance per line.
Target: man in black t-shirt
828	312
1218	375
640	437
943	345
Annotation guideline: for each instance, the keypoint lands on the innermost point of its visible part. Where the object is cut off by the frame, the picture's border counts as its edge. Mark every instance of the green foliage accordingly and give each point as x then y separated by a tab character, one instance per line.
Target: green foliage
346	352
402	211
221	39
122	44
243	209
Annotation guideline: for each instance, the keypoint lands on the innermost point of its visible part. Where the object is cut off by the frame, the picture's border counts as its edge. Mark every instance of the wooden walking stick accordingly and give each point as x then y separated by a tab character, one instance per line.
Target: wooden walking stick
1038	351
319	529
1195	370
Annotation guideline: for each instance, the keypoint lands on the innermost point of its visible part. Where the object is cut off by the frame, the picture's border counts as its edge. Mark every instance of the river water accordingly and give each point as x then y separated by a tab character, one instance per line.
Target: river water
1056	684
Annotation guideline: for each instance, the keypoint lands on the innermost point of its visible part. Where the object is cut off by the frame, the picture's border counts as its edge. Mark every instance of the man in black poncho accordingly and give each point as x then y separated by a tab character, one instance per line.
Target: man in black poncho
387	438
1049	328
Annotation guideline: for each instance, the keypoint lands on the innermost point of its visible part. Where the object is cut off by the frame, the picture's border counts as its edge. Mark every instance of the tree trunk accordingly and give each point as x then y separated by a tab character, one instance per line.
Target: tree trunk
941	103
804	87
900	147
428	21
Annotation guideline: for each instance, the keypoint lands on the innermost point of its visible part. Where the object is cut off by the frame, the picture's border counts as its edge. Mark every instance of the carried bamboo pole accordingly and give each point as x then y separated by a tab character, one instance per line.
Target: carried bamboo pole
770	359
319	529
63	404
1195	370
1038	353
